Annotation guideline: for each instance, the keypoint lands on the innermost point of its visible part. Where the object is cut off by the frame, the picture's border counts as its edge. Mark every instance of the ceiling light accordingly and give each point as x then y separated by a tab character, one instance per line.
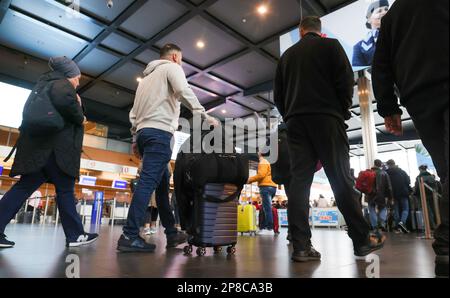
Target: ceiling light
224	111
262	9
139	79
200	44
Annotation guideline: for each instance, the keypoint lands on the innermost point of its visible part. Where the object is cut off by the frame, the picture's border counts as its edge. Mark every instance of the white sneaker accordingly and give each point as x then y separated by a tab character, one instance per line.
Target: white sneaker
153	231
147	232
266	233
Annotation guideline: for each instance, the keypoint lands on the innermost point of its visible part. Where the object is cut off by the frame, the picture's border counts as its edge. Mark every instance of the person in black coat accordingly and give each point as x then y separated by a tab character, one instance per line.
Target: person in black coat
401	188
313	92
53	158
412	61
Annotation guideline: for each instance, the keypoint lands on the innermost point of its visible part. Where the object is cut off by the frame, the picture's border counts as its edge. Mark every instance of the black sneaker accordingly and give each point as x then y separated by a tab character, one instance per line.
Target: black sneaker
84	239
126	244
308	255
441	266
5	243
403	228
173	240
375	242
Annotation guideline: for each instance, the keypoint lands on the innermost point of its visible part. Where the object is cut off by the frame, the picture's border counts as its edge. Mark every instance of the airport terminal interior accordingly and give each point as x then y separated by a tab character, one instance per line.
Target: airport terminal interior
231	49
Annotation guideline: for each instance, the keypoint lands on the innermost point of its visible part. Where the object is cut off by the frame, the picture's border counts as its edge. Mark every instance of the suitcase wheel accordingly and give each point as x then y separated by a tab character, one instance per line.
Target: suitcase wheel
201	251
187	249
231	250
217	249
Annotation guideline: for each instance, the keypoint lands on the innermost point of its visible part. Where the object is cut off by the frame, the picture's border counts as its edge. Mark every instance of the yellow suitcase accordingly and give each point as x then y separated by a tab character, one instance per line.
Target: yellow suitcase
247	219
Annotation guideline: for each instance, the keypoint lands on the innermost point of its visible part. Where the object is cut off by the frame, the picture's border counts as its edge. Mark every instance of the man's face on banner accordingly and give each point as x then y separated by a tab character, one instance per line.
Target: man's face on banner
377	15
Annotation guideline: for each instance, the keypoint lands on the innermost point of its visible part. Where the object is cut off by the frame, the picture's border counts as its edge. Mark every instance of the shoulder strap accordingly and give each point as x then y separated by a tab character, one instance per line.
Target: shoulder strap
11	152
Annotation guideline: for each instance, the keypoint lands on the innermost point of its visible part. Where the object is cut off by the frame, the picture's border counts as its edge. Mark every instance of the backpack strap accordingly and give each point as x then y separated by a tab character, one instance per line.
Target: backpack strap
11	152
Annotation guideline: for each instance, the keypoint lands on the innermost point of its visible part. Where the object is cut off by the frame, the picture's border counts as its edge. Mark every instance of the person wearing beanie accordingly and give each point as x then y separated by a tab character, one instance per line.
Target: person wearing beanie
364	50
51	157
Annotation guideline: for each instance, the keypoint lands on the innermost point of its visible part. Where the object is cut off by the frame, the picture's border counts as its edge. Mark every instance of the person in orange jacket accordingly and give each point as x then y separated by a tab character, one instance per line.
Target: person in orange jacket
267	191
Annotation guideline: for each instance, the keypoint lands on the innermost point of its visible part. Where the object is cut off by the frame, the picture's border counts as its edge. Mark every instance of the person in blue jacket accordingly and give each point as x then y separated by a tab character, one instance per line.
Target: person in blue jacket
364	50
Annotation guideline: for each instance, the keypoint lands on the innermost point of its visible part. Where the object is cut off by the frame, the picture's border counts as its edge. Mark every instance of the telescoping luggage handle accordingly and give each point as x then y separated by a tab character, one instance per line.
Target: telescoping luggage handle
229	198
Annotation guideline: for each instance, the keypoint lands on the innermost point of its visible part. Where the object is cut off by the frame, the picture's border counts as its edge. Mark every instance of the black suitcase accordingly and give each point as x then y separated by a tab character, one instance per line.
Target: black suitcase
214	219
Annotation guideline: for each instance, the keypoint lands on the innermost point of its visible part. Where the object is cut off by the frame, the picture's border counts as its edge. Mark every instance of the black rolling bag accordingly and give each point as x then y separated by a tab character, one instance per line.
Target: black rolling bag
207	189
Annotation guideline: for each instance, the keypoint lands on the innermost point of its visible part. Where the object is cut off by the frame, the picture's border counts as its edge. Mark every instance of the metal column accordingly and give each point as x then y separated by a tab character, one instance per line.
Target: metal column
367	119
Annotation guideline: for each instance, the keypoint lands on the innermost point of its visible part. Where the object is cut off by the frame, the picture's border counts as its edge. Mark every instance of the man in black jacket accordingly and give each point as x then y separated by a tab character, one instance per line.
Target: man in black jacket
401	188
53	158
412	57
313	92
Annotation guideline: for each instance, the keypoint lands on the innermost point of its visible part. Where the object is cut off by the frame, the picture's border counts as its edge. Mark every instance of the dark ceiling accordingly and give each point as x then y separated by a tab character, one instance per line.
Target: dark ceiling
232	76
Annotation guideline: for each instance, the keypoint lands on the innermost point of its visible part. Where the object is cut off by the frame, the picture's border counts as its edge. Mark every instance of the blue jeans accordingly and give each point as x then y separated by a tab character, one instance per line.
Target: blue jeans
401	204
65	198
377	218
154	147
267	193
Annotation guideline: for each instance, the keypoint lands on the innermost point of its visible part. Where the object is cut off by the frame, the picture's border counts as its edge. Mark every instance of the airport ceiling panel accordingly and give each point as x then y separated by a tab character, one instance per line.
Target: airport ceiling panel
267	96
357	134
213	85
197	2
56	13
273	48
388	148
30	36
229	110
84	80
188	70
333	4
98	8
248	70
120	43
21	66
96	62
252	103
203	97
217	43
153	17
243	16
127	75
147	56
107	94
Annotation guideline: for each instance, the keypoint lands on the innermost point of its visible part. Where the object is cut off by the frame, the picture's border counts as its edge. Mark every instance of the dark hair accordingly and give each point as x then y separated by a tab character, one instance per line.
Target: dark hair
168	49
311	23
378	163
390	162
423	167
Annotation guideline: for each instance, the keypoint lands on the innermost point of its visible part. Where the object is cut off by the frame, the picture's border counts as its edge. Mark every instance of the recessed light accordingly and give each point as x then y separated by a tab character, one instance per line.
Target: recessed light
244	20
201	44
139	79
262	9
224	111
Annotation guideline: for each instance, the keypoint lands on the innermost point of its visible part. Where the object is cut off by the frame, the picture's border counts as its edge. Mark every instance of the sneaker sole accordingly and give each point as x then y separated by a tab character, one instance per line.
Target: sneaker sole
78	244
404	230
6	245
133	249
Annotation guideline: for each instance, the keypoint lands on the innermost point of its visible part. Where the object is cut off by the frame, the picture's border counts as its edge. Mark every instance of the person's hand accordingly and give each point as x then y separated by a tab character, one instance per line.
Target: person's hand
79	100
394	124
135	149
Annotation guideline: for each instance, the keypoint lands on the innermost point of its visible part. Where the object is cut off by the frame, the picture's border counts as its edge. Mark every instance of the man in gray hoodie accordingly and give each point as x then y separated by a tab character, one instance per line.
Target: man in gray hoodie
154	119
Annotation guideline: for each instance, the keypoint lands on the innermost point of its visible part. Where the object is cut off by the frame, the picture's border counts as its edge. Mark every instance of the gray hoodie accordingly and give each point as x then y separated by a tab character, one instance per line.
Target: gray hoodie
158	98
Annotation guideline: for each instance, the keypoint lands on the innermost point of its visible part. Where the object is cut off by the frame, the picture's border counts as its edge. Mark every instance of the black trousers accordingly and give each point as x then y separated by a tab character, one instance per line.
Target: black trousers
321	137
431	123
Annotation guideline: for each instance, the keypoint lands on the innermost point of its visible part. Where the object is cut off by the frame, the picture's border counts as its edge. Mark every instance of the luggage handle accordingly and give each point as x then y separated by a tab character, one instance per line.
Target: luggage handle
228	199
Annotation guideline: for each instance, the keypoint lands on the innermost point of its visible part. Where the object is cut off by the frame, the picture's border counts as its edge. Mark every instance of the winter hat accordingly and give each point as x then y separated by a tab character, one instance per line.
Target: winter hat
65	66
373	6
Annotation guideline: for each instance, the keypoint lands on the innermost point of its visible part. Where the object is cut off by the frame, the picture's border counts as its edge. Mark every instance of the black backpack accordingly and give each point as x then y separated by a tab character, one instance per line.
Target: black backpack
40	117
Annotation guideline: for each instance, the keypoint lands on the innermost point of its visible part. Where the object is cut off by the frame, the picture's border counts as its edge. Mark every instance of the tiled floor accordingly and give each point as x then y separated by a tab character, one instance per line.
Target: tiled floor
40	252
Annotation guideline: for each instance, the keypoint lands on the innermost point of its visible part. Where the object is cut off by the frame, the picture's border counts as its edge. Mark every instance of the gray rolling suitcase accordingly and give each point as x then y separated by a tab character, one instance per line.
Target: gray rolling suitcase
214	219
